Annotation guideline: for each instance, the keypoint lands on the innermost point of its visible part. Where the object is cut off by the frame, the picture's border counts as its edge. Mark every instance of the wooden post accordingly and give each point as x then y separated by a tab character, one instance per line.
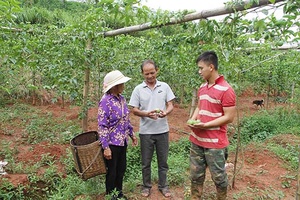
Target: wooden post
298	179
86	91
62	101
239	143
238	146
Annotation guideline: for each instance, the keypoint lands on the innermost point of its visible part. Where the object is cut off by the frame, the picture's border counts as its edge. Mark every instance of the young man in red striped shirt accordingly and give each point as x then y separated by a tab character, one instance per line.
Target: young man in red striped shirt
216	108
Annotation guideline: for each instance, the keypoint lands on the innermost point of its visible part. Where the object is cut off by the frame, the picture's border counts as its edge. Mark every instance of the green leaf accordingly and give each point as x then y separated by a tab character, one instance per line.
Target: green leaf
272	1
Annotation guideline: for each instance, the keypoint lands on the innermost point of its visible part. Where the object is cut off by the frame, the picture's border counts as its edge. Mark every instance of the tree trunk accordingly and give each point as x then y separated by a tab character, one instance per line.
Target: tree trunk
194	103
292	94
86	91
182	95
268	95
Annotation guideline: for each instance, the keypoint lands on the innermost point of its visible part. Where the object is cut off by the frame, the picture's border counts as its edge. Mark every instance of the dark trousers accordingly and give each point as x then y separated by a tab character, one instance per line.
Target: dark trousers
116	168
160	143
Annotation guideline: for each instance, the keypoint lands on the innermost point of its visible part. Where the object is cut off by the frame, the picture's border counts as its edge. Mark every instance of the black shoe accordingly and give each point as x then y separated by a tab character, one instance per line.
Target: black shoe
121	196
114	198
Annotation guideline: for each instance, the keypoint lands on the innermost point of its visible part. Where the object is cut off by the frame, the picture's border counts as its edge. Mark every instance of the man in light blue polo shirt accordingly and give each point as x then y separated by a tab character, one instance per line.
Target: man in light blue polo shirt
152	102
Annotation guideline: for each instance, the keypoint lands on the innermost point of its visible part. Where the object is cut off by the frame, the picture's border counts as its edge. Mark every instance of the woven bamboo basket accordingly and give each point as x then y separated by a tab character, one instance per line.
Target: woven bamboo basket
87	154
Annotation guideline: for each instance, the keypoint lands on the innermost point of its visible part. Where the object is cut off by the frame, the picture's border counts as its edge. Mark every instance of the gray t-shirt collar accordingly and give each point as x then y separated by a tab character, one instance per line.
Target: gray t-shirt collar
157	84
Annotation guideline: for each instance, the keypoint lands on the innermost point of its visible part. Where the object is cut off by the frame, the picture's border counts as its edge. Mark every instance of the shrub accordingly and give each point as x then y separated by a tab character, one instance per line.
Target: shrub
264	124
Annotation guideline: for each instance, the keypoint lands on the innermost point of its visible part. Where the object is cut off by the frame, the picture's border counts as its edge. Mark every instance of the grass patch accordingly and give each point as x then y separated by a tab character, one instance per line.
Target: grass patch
288	153
36	126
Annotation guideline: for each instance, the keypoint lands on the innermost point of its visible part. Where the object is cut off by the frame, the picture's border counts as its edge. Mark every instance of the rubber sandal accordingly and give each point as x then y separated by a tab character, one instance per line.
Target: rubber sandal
145	192
166	192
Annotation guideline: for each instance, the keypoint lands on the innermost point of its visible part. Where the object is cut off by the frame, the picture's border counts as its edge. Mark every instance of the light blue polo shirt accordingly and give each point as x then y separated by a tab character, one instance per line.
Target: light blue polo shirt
146	99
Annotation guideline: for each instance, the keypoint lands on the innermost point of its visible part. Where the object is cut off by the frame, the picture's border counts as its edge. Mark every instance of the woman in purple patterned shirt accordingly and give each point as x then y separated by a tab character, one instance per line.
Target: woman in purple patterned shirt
114	128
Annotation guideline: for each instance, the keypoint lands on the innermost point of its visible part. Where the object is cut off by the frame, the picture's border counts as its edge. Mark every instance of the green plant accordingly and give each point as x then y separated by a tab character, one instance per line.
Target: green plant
286	181
50	129
68	161
43	38
47	159
288	153
7	152
9	191
258	127
134	166
72	186
265	124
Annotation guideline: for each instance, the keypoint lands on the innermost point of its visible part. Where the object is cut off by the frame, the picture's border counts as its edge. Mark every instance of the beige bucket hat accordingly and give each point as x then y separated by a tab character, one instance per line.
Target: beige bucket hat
112	79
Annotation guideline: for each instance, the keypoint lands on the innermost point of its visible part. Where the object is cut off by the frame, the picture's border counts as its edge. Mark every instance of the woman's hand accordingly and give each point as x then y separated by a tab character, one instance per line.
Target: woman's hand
134	141
107	153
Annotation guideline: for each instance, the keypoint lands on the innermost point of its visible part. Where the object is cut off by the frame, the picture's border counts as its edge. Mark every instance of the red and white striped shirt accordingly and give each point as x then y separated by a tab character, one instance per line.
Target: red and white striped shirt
212	100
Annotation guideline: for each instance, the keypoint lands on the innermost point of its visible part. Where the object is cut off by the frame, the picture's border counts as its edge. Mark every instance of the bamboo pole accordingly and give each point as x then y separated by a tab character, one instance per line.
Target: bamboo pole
238	145
204	14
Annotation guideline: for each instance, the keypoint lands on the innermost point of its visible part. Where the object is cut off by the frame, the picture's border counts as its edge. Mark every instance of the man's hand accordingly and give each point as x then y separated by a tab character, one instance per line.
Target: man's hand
195	124
162	114
199	125
153	114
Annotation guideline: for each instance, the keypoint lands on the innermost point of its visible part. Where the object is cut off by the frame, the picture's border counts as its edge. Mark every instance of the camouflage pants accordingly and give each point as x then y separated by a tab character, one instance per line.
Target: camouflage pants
200	159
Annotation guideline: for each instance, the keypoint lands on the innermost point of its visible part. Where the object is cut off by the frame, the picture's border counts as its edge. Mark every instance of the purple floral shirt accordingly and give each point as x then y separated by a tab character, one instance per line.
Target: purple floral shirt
114	125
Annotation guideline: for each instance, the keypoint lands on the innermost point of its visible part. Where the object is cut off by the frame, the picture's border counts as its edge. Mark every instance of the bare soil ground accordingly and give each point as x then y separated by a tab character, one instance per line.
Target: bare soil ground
260	174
